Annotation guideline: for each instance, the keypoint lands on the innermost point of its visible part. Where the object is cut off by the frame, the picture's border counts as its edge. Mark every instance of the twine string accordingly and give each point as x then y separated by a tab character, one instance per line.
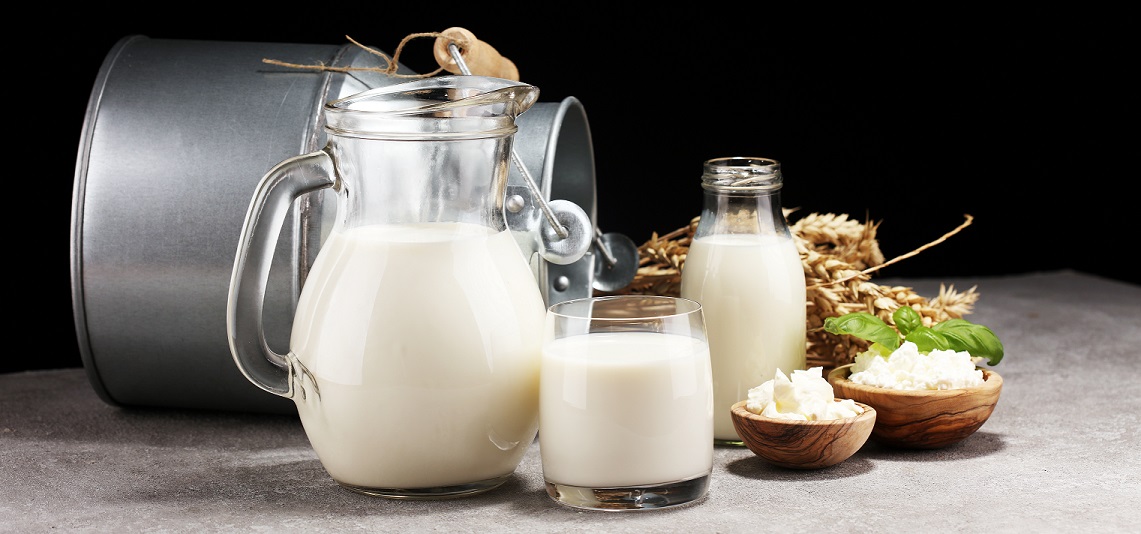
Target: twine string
391	63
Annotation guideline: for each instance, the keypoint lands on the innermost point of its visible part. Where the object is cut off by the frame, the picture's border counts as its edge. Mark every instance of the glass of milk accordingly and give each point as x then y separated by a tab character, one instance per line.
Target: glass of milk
626	403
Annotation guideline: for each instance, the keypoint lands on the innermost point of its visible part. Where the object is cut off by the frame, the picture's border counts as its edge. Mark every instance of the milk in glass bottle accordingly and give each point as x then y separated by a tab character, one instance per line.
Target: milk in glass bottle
744	269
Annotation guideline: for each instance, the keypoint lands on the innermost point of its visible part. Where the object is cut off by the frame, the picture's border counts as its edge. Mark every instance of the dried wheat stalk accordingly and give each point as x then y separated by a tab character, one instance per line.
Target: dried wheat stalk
839	256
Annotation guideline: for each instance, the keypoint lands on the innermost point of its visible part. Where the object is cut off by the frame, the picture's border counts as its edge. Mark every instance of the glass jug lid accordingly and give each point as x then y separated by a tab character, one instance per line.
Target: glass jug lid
444	106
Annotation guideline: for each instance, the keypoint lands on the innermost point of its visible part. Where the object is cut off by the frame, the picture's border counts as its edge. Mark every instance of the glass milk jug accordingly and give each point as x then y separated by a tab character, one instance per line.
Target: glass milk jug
416	341
744	269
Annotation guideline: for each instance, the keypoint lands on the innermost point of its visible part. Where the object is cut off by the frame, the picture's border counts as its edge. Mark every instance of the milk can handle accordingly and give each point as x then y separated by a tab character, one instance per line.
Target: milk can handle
274	195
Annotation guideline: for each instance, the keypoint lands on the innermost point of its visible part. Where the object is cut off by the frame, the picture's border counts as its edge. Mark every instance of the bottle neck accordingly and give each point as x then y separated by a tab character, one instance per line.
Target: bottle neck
730	211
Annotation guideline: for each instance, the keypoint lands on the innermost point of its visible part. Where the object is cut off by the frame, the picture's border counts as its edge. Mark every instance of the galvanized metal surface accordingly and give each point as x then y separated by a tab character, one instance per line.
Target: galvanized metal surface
176	136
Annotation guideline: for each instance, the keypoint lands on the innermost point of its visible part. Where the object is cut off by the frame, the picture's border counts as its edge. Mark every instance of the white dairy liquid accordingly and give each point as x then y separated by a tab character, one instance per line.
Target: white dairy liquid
627	408
422	344
751	288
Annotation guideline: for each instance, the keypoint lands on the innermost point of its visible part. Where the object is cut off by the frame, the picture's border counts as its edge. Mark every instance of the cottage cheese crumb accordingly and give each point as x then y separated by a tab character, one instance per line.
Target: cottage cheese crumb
907	369
807	396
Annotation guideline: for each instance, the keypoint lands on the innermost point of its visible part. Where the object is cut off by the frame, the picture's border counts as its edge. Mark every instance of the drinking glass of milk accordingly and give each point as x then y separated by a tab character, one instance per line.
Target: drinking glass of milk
626	402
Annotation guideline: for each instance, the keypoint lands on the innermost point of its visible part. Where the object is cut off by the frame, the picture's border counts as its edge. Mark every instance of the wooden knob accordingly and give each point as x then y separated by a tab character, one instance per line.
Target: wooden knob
481	58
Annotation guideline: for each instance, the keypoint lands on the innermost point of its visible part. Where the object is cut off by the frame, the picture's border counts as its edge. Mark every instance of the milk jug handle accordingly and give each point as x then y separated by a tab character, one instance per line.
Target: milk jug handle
273	197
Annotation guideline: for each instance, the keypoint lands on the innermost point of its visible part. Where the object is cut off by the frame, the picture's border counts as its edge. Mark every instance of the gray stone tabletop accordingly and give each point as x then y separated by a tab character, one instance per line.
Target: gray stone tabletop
1060	453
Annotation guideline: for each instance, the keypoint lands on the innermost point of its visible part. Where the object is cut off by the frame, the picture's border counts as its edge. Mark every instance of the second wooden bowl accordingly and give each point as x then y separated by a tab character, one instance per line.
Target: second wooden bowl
924	419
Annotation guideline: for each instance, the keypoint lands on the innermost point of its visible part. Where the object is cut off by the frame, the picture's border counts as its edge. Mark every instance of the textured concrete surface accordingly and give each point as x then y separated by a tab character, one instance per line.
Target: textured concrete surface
1059	454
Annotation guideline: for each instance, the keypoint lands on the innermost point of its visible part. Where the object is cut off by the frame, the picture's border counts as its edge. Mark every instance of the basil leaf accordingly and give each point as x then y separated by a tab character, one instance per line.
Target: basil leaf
962	335
906	319
881	350
927	339
864	326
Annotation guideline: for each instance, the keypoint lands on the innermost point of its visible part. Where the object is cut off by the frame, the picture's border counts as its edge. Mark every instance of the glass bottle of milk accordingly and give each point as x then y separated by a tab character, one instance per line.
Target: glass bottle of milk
744	269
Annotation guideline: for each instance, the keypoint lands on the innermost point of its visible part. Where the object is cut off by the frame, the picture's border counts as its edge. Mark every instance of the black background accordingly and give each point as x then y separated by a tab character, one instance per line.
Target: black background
1024	120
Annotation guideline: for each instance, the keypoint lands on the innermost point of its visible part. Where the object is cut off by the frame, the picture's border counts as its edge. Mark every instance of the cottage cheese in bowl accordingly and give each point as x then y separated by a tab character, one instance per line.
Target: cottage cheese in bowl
908	369
806	396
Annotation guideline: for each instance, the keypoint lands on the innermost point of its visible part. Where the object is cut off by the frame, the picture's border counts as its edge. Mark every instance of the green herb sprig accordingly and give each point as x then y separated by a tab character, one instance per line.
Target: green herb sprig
953	334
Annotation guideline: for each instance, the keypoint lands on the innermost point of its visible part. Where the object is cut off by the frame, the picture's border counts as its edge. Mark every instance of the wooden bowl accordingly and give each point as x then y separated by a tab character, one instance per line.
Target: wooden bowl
803	444
923	419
